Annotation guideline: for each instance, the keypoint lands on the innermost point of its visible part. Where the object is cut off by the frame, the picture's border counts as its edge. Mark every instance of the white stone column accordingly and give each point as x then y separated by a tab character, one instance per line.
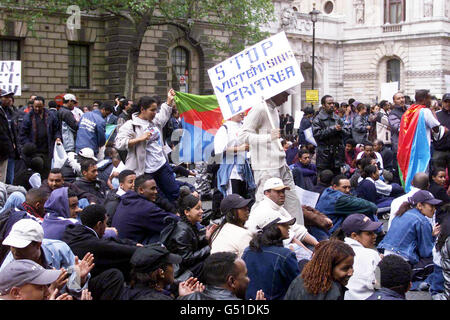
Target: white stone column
326	81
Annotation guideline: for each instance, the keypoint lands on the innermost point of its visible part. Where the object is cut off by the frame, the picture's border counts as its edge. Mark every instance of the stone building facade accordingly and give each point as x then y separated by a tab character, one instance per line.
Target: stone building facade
361	44
91	61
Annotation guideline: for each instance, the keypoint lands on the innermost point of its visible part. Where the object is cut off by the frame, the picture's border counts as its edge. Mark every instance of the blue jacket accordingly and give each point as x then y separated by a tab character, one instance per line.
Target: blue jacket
91	131
139	219
224	173
57	216
386	294
272	270
410	236
338	205
29	132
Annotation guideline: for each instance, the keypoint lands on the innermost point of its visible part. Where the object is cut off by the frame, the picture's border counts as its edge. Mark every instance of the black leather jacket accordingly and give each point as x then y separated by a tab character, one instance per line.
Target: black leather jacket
211	293
445	252
187	241
330	143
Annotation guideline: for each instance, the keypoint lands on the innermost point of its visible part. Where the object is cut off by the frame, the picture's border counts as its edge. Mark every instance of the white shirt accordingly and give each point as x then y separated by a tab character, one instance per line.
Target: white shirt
231	239
225	138
361	284
77	113
430	122
379	158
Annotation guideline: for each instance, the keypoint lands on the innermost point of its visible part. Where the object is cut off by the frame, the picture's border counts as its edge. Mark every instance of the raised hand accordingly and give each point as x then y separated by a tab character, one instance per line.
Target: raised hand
86	295
84	266
60	282
260	295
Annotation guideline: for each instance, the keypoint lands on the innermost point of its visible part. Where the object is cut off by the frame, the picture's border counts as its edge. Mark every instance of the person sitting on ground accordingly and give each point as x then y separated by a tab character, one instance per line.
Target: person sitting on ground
225	278
386	154
324	179
411	234
33	205
26	241
137	216
183	237
89	181
337	203
26	280
351	151
152	276
326	275
126	182
437	189
61	210
368	152
360	234
271	266
71	169
55	181
367	190
305	169
88	237
231	235
11	195
31	177
109	162
395	279
272	203
443	249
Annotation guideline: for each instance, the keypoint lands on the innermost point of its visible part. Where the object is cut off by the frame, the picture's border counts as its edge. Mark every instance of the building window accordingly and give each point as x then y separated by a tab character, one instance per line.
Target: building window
328	7
393	70
78	66
394	11
180	69
9	50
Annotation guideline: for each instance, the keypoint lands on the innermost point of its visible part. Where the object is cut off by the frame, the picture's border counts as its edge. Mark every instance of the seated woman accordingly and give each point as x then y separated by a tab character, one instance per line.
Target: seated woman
367	188
231	236
437	189
411	234
271	267
186	239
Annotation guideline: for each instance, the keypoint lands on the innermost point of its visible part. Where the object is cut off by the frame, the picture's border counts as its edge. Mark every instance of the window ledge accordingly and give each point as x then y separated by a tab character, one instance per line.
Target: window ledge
81	90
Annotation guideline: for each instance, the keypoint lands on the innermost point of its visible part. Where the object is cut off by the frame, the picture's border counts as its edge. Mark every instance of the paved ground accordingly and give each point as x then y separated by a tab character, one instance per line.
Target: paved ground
411	295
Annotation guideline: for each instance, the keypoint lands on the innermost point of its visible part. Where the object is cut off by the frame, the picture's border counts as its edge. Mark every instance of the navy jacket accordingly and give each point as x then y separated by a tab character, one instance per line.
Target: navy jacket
91	131
8	143
29	132
386	294
139	219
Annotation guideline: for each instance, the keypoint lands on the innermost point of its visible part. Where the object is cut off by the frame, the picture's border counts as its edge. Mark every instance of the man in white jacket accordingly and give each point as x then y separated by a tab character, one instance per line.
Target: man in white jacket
274	198
267	158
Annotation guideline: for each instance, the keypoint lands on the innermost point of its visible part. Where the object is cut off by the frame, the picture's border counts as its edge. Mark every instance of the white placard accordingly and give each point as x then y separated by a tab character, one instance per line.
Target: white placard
447	83
260	71
10	76
388	89
298	118
307	198
309	136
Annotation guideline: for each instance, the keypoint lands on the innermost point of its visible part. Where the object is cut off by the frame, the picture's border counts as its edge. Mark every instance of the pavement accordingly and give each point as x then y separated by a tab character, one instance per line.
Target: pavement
410	295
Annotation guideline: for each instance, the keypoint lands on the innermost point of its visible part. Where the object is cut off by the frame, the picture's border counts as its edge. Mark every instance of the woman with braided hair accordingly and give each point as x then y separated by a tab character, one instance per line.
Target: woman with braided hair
326	275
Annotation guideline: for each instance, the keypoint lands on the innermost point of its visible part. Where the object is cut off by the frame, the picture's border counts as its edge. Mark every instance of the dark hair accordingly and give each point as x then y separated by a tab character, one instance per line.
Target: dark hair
324	98
350	101
97	102
37	164
29	149
109	152
368	143
351	142
108	107
140	181
55	171
383	103
52	104
39	98
308	110
326	176
317	274
337	179
364	162
369	171
395	273
186	202
270	236
360	106
421	94
71	193
445	228
145	102
378	142
218	267
85	164
436	170
125	173
92	214
301	152
148	280
35	195
405	206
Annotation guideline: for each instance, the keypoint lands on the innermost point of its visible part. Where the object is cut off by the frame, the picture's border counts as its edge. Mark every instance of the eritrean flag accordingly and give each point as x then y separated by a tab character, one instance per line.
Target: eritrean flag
413	147
200	118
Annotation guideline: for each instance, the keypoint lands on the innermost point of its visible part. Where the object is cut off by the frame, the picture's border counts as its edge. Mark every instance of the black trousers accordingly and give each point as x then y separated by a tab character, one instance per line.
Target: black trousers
108	285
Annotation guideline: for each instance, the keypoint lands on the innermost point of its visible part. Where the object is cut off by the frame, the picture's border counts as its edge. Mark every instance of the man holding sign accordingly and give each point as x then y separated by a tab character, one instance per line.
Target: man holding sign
259	77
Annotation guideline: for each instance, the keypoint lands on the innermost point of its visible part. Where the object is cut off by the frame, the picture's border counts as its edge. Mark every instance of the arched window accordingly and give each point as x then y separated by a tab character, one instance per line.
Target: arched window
393	70
180	69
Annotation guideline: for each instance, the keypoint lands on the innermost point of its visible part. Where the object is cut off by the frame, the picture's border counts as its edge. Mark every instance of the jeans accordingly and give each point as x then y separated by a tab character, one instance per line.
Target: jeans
165	180
15	199
436	280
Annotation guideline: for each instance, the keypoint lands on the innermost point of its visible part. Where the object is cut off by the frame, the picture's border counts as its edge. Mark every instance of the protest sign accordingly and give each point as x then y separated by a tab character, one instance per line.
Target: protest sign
258	72
298	118
388	89
10	76
307	198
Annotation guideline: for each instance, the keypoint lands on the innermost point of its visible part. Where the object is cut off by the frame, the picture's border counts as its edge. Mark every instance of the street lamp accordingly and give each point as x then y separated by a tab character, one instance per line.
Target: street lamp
314	13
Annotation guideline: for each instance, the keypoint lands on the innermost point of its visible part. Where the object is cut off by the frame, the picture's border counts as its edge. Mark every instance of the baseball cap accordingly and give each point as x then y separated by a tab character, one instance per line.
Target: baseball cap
424	196
233	201
359	222
446	97
87	153
23	232
69	96
275	184
151	257
20	272
271	218
4	93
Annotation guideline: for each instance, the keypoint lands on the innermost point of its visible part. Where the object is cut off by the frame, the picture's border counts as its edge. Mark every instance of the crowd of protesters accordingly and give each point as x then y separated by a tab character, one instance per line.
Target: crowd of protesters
88	213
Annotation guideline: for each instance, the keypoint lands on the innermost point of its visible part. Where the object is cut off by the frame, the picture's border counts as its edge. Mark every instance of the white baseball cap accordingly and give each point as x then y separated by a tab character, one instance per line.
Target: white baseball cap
270	218
87	153
275	184
69	96
23	232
